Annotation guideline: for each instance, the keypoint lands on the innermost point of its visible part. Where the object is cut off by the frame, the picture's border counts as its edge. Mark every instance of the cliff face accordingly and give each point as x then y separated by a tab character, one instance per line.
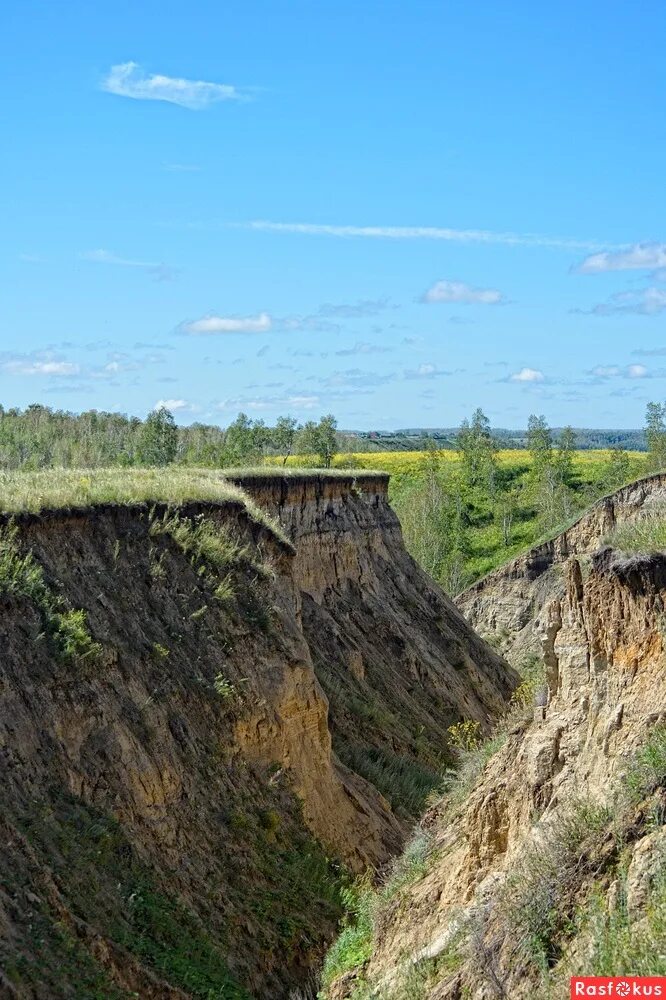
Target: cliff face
549	859
505	605
394	656
170	795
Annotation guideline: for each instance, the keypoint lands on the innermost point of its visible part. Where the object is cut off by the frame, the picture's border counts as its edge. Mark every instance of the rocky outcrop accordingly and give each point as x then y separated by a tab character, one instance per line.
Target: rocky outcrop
505	605
171	798
553	826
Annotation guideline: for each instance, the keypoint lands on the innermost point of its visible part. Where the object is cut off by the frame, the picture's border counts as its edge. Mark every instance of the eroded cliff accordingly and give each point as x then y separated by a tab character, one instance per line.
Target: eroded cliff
170	796
547	857
505	605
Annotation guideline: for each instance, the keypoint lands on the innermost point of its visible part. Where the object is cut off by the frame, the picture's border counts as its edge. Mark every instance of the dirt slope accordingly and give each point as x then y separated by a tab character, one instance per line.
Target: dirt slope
549	857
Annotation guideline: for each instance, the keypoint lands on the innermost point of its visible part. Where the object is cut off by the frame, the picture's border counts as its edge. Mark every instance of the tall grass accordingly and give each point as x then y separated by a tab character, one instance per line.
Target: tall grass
646	534
22	576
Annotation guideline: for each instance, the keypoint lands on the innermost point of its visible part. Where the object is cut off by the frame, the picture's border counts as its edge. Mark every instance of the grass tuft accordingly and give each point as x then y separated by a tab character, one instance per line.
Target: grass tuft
22	576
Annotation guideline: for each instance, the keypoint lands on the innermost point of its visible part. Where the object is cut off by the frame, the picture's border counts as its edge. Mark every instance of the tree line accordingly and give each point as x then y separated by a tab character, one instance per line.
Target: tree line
40	437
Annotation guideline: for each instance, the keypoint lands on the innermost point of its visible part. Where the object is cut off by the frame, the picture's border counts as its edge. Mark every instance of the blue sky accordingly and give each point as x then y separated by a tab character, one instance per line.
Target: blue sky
394	212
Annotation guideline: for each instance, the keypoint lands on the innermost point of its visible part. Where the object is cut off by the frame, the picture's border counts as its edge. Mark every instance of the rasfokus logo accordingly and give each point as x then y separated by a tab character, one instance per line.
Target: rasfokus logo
618	986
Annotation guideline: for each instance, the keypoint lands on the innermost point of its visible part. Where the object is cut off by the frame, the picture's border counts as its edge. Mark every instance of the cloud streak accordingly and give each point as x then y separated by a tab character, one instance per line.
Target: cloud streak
129	80
159	271
426	233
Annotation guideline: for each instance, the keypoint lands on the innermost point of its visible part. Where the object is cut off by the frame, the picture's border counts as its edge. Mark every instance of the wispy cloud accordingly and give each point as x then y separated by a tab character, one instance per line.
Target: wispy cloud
643	302
527	375
654	352
462	294
354	310
355	378
426	371
213	325
427	233
38	364
361	347
641	256
129	80
159	271
290	402
182	168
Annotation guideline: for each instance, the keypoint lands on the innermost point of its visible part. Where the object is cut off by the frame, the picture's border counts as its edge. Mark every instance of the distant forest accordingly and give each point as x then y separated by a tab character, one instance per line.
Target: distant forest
413	438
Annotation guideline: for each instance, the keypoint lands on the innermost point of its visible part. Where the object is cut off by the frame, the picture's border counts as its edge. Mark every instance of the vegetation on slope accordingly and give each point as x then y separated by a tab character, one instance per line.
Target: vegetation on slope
556	893
65	488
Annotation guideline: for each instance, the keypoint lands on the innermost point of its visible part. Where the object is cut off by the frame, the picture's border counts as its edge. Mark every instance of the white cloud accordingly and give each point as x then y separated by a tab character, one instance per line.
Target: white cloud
462	294
173	404
617	371
426	233
527	375
212	325
129	80
639	256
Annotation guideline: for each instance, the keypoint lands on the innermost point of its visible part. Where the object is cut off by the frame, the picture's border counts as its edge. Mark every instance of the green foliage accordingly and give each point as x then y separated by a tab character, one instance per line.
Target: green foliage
655	434
477	449
458	782
616	941
538	896
319	439
465	736
21	575
409	867
404	781
647	770
158	443
224	688
353	946
70	629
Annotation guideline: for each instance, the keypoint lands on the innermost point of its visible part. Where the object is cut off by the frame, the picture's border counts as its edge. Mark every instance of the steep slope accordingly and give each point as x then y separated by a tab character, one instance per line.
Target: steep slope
396	659
548	858
505	605
170	796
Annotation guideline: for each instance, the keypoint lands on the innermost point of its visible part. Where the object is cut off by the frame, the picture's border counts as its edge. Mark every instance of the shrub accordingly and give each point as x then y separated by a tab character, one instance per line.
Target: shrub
465	736
224	688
